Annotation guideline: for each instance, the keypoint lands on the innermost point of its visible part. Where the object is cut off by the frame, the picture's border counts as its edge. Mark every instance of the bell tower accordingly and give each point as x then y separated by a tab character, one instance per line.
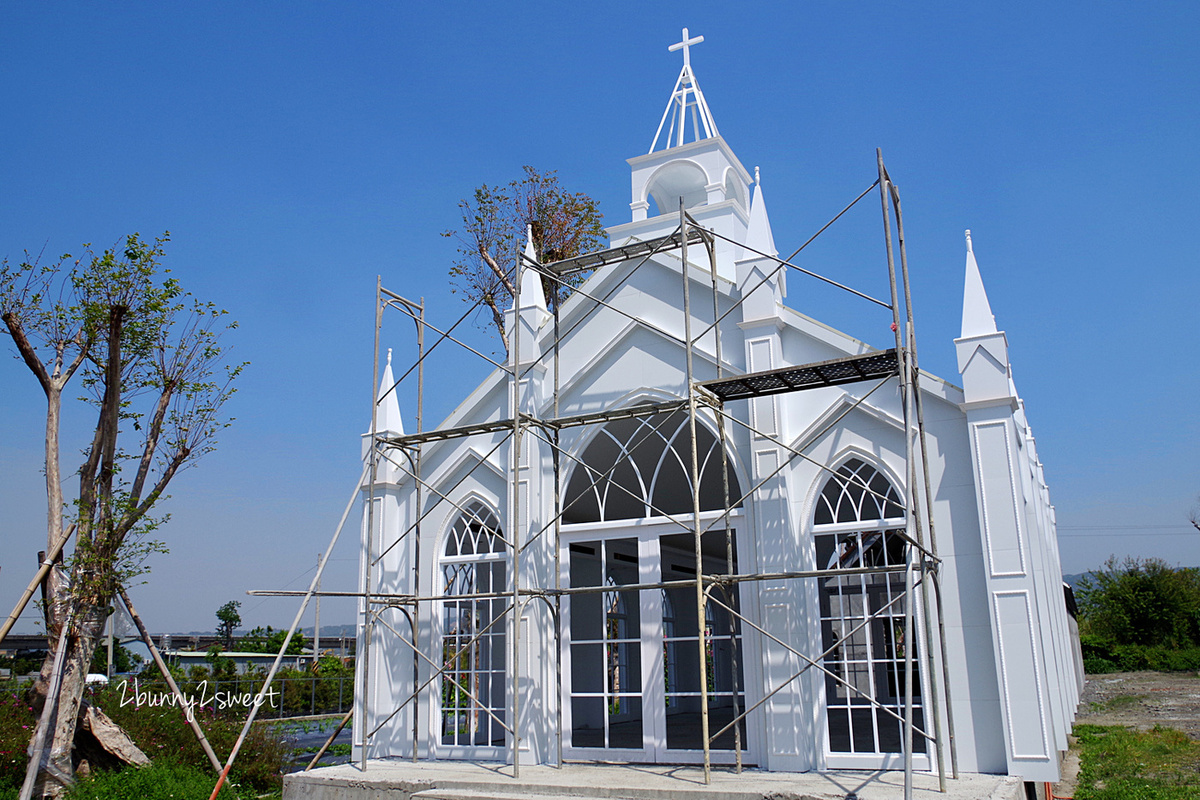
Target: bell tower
688	159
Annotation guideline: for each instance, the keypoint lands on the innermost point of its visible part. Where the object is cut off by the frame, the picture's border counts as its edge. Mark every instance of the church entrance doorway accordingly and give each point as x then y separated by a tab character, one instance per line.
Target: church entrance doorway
631	657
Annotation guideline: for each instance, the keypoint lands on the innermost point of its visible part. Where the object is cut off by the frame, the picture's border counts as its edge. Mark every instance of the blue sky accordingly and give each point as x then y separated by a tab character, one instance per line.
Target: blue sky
296	151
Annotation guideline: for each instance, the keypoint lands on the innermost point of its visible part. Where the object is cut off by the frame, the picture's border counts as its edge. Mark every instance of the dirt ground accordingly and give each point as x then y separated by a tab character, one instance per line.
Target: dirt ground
1136	700
1142	700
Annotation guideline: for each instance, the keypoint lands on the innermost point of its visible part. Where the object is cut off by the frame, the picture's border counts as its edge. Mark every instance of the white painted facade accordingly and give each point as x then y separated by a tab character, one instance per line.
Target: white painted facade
621	679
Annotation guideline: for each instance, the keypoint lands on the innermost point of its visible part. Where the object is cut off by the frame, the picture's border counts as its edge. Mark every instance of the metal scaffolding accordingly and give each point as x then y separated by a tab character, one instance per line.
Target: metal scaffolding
708	399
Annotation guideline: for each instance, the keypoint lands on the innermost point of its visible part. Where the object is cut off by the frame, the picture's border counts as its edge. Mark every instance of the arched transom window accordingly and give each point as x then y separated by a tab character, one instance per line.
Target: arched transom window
857	523
473	685
641	467
857	492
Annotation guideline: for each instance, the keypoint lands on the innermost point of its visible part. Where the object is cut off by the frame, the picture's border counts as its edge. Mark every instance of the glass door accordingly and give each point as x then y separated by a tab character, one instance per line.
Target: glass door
631	679
605	683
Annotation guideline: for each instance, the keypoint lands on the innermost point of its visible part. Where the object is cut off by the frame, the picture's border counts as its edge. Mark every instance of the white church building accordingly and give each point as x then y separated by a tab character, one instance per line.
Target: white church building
531	566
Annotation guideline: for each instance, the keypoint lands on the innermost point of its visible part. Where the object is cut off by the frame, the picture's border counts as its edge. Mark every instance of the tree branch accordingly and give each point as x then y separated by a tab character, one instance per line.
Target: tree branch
152	435
28	354
497	319
504	279
135	515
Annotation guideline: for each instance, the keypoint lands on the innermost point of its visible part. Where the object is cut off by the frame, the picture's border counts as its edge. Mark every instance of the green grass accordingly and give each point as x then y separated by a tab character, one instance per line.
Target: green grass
1123	764
155	782
163	735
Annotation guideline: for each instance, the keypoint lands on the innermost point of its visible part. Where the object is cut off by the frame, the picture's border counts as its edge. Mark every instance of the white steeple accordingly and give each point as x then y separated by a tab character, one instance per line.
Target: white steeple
687	103
387	412
977	318
758	236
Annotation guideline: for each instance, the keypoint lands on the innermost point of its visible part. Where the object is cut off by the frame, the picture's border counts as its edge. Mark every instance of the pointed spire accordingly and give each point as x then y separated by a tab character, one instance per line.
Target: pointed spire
977	318
387	413
532	295
758	234
687	103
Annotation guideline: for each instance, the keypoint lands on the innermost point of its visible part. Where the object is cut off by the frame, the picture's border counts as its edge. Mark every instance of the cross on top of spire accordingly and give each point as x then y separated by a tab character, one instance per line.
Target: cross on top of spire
684	45
687	104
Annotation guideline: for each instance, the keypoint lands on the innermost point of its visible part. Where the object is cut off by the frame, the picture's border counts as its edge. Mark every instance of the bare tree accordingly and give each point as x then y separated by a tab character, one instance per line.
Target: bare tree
492	236
155	370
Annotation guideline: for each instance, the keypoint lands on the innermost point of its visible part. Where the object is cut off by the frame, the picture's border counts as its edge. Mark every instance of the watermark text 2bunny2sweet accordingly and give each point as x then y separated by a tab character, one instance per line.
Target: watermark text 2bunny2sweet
203	697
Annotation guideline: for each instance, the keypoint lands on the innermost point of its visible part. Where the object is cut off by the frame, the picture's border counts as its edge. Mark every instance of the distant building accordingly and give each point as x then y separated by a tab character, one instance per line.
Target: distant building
243	661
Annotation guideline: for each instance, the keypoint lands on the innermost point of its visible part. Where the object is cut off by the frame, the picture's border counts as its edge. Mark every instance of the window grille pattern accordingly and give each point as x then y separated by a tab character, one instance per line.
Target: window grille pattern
866	634
473	636
846	498
641	467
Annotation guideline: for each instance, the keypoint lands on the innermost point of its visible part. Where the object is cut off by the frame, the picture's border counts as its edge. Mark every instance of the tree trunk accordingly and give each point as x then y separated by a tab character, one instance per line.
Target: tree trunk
87	626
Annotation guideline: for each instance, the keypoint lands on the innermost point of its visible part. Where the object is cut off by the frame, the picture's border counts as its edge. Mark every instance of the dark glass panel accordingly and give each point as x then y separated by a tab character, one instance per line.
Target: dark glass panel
587	721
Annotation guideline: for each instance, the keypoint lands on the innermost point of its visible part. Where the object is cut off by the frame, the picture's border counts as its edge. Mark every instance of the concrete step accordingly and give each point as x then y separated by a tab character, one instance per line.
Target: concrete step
574	791
527	793
396	779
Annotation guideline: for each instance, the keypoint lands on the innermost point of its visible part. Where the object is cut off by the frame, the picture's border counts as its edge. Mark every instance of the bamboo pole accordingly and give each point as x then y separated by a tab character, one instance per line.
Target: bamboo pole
885	198
329	741
259	699
701	641
556	465
932	543
514	515
39	576
162	667
908	676
735	642
363	657
49	713
417	490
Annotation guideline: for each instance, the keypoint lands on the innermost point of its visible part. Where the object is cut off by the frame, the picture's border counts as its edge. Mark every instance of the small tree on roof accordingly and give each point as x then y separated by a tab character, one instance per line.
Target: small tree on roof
492	237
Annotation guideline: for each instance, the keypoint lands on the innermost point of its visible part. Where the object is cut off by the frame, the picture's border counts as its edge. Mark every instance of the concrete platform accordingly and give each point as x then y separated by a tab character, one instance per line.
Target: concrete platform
460	780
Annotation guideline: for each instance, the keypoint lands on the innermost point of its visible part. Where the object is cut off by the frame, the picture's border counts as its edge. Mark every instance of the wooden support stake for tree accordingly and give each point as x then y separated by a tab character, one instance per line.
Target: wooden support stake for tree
43	571
162	667
47	721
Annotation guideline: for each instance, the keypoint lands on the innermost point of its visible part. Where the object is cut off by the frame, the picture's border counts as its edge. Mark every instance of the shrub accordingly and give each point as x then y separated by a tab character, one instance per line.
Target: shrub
164	735
1101	656
1142	602
16	726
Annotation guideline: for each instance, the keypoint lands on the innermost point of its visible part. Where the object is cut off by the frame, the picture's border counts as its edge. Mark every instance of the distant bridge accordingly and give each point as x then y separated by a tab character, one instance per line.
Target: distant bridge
31	642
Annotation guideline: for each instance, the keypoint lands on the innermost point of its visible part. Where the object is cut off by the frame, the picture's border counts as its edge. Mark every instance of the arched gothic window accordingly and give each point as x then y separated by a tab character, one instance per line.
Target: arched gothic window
858	522
641	467
473	684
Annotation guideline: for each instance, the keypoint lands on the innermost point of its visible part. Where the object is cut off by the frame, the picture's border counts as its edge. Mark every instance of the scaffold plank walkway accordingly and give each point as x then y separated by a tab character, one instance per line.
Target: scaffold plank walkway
835	372
615	255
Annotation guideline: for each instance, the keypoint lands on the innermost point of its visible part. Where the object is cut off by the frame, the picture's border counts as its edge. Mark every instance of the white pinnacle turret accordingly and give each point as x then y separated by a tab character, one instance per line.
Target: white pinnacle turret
687	103
532	295
387	412
977	318
758	236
